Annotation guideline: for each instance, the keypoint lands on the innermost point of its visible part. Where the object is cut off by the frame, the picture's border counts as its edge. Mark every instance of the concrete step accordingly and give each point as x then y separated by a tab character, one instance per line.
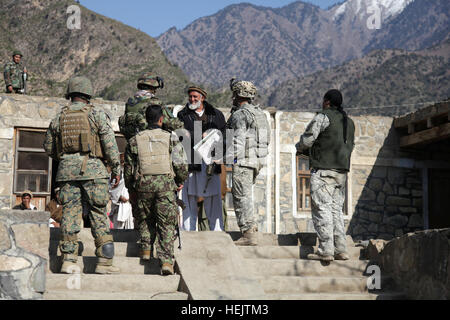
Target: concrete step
296	239
266	239
127	265
122	249
338	296
323	284
290	252
296	267
123	295
113	283
85	235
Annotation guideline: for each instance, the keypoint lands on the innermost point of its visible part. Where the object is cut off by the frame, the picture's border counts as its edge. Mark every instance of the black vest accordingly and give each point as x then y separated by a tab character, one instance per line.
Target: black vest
329	150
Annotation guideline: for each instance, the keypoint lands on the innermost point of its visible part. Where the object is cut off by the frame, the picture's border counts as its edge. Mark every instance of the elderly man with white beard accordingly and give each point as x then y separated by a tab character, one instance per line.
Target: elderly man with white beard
199	118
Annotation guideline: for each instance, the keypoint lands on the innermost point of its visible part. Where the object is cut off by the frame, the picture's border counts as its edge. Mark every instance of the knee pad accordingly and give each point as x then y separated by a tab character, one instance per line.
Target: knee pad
105	247
105	251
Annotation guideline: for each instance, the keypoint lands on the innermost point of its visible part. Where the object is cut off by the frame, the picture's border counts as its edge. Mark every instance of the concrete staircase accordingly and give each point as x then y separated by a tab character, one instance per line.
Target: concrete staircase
137	281
285	273
276	269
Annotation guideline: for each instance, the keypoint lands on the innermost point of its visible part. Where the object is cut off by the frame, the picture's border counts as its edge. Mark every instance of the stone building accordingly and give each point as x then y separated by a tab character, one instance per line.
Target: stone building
399	179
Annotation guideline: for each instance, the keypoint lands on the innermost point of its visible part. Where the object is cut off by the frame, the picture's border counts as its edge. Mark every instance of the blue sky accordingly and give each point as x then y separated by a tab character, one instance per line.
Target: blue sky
157	16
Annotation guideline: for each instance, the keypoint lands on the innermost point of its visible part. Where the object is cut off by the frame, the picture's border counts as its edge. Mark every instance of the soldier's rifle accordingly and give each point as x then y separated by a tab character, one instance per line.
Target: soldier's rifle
181	204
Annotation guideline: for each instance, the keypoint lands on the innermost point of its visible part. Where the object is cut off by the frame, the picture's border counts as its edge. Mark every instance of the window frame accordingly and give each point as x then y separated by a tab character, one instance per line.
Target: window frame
19	149
302	190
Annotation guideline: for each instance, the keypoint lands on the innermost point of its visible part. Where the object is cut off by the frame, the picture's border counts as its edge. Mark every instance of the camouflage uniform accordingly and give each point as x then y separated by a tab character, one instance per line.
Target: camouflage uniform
156	198
327	195
90	185
13	75
133	122
245	152
244	172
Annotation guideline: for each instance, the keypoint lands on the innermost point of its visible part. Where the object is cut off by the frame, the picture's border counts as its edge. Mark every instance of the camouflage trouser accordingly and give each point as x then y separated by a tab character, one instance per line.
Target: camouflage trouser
242	182
327	199
146	236
161	219
72	194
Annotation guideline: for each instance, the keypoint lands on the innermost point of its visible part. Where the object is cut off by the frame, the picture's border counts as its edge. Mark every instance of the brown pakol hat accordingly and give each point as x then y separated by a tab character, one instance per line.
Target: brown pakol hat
198	89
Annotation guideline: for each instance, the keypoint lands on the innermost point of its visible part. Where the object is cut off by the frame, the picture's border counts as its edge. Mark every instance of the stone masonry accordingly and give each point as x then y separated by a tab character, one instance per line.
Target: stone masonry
24	242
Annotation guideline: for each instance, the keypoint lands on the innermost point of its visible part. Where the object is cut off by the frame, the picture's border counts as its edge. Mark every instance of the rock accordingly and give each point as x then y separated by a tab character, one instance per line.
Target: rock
374	249
9	263
5	242
368	194
397	221
33	238
375	217
388	189
419	263
398	201
381	198
407	210
415	221
376	184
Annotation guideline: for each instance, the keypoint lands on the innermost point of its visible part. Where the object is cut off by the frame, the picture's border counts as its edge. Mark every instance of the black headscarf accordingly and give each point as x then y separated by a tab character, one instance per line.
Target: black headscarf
335	98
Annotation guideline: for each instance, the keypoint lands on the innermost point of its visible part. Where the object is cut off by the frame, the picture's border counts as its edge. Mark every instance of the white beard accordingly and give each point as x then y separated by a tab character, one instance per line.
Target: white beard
194	106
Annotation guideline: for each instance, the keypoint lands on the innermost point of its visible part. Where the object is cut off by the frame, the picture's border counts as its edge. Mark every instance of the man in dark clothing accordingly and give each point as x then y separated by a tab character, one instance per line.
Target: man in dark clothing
199	118
26	202
330	139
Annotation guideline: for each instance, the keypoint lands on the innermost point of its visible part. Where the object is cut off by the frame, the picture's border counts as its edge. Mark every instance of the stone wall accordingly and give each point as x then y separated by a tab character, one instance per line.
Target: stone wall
24	243
18	111
384	185
384	190
390	203
419	264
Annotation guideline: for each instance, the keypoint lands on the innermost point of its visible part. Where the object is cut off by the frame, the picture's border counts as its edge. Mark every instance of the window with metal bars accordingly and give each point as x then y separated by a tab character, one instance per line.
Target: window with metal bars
32	165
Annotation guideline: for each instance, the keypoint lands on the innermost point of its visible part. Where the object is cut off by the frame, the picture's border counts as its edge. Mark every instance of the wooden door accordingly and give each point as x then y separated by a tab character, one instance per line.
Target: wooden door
439	204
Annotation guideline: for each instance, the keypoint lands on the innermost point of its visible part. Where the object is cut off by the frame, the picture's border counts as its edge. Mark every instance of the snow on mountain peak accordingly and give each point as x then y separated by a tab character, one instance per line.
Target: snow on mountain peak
388	8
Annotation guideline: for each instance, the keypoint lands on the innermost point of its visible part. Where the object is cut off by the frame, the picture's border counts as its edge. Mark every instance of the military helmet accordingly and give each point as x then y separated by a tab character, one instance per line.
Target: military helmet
150	79
243	89
17	53
79	85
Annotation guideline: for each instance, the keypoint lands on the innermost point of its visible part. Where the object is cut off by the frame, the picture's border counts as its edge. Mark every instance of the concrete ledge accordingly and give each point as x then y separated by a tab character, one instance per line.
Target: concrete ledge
24	243
213	268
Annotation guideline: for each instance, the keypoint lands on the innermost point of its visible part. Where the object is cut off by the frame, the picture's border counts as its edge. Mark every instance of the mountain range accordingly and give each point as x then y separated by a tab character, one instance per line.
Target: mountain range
378	52
272	45
384	82
111	54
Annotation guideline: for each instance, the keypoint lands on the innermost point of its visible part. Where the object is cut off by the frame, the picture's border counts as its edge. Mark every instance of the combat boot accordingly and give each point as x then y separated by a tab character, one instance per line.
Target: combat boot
249	238
70	265
105	266
167	269
145	254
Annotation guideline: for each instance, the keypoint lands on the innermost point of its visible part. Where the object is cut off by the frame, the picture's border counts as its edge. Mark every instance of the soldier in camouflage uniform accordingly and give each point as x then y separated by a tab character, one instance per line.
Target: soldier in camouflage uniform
13	74
133	122
81	138
330	141
247	156
155	168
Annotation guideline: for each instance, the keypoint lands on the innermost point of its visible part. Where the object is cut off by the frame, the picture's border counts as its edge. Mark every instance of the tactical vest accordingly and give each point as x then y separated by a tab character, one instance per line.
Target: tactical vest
77	135
153	152
329	150
133	121
261	127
